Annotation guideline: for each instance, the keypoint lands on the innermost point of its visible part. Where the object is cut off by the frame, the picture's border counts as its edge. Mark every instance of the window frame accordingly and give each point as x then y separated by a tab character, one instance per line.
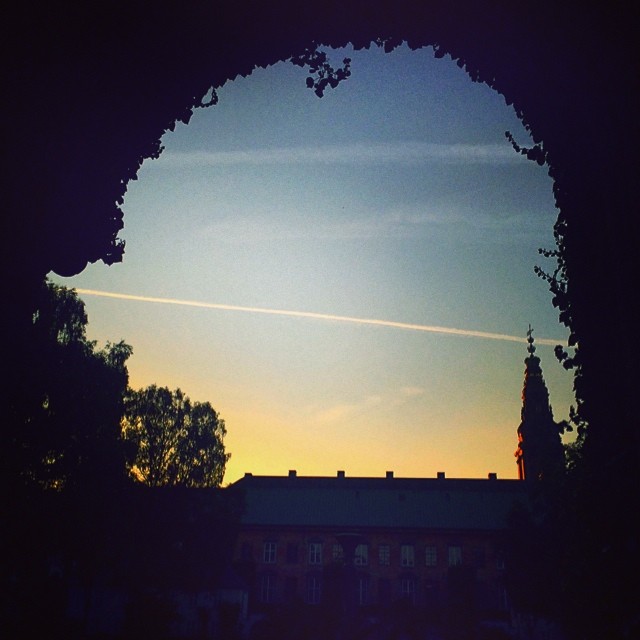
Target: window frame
269	552
267	588
384	555
314	553
313	590
409	592
407	555
454	555
361	559
430	555
362	587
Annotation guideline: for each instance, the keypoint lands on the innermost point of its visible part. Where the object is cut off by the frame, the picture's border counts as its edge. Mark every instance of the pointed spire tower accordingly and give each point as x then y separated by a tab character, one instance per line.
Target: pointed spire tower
539	453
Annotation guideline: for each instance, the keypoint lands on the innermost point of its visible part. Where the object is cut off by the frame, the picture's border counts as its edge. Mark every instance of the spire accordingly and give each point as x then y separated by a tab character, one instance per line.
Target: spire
531	348
535	395
539	449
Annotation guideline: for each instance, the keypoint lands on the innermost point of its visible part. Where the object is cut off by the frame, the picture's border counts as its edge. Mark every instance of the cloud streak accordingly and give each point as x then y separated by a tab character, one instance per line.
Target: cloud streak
363	153
467	333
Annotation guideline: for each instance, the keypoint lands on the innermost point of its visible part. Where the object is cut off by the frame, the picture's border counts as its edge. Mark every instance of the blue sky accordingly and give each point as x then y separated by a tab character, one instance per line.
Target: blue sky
395	197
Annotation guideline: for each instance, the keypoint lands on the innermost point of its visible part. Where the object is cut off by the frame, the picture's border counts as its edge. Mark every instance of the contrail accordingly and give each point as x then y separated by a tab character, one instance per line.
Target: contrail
469	333
375	153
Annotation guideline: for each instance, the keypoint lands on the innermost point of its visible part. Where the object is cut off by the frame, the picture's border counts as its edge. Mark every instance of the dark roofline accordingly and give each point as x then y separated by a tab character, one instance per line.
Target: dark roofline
340	479
384	502
367	529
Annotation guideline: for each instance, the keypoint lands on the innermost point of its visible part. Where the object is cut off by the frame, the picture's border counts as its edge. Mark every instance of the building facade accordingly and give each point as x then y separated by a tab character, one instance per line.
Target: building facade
372	542
364	546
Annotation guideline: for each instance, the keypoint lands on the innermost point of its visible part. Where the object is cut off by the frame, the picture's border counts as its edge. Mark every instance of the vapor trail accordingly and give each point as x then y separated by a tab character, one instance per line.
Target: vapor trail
373	153
469	333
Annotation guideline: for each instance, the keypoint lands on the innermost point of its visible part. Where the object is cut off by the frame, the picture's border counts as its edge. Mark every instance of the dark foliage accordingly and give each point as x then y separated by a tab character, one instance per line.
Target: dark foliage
63	427
177	442
63	460
321	73
149	616
72	516
174	538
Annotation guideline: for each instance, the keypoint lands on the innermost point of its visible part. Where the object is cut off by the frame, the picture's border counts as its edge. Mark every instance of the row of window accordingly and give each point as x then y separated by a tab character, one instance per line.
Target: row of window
313	589
268	589
361	558
405	587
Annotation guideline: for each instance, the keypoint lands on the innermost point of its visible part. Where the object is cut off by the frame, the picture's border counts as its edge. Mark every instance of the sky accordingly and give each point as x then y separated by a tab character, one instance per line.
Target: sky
348	280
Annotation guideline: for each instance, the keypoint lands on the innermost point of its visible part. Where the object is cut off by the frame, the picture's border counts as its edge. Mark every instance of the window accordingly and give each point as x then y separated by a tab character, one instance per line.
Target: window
315	553
384	554
267	587
269	551
362	555
363	590
292	553
407	555
313	589
431	556
337	553
408	588
455	555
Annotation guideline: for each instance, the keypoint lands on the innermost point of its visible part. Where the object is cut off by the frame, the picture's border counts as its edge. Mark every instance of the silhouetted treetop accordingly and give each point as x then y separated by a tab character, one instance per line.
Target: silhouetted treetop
321	72
63	428
177	442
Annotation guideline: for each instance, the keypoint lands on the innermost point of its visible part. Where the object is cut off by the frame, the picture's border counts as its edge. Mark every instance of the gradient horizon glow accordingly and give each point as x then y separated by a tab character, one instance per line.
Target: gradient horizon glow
348	280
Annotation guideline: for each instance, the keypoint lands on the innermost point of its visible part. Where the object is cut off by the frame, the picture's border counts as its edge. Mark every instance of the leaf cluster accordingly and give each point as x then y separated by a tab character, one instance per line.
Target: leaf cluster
177	441
321	73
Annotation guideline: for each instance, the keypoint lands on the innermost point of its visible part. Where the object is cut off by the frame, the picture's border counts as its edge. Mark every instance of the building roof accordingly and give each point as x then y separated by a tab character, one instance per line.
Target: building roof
386	502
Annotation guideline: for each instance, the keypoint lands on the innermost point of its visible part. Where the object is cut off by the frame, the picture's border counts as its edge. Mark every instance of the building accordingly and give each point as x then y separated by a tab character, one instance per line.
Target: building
540	452
404	537
368	545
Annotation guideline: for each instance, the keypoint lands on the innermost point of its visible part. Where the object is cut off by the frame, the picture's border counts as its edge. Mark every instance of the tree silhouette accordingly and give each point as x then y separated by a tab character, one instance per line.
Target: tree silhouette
63	462
64	426
177	442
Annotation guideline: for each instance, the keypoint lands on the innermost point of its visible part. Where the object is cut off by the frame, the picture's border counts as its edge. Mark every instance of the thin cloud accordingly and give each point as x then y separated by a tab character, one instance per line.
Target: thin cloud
369	153
342	412
337	413
270	225
467	333
240	228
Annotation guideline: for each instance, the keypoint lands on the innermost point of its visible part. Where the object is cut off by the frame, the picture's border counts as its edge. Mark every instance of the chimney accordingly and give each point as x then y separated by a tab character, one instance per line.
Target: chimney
340	474
493	476
389	475
292	473
440	475
247	474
